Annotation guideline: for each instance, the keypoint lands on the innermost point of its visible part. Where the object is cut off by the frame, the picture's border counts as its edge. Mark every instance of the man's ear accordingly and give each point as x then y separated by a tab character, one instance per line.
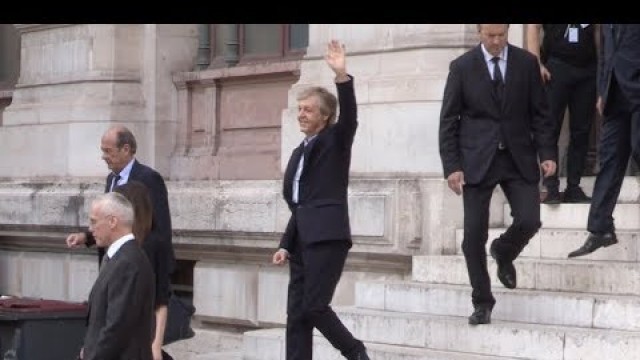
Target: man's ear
113	222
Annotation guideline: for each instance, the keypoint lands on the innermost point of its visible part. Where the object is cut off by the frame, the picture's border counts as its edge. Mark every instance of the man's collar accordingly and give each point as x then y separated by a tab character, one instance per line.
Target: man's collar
115	246
488	56
124	173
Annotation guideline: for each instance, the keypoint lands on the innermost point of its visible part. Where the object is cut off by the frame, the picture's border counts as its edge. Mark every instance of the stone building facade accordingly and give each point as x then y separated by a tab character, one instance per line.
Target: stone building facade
213	108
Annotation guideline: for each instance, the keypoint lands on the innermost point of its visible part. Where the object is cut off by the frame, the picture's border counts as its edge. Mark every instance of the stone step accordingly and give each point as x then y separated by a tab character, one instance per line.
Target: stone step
270	344
574	216
229	355
629	192
528	306
499	339
605	277
558	243
206	343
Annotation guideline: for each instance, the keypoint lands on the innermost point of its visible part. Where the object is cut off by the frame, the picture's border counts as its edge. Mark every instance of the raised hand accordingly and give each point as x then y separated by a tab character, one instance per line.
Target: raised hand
336	59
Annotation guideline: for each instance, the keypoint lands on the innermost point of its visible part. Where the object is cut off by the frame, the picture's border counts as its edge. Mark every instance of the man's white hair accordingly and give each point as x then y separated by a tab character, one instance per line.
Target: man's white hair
116	204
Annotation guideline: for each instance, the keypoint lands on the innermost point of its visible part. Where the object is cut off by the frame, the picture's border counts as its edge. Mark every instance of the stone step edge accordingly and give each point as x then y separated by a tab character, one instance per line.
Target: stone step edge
462	321
559	229
575	262
502	290
374	347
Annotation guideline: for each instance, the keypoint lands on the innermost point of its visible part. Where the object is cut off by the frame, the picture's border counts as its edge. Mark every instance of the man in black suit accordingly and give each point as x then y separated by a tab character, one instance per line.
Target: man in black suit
619	103
119	145
318	237
120	320
494	128
568	56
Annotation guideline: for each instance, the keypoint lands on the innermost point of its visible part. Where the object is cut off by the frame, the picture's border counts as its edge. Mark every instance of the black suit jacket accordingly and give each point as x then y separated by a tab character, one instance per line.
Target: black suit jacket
120	320
158	243
322	210
620	55
472	119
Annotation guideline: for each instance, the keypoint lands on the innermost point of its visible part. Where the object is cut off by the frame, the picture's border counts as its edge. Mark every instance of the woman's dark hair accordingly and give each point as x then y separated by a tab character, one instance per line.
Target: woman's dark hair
138	194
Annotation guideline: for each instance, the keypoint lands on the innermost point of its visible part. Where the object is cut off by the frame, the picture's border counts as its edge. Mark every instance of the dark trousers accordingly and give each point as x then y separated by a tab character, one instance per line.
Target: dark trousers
314	274
620	136
572	88
524	200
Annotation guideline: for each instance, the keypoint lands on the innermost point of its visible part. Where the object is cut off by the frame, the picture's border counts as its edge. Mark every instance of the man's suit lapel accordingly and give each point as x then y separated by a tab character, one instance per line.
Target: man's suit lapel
313	149
133	175
103	275
107	186
135	171
290	172
509	77
485	85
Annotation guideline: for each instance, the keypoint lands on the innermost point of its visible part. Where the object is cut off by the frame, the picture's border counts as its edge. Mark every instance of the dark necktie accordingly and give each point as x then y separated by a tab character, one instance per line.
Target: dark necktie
116	178
498	80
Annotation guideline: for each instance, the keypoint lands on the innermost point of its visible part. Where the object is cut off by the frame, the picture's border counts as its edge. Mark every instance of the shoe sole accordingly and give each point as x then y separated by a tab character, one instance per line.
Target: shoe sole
577	201
613	242
479	323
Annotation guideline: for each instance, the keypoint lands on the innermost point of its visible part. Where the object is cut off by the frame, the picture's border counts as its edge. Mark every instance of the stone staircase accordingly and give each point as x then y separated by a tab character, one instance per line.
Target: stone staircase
584	308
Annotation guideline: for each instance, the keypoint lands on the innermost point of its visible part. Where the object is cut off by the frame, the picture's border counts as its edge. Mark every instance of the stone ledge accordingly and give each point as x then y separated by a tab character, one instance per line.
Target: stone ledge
225	247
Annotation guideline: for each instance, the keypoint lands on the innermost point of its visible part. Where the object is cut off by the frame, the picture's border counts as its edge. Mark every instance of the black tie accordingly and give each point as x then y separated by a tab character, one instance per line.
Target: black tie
498	80
498	85
116	178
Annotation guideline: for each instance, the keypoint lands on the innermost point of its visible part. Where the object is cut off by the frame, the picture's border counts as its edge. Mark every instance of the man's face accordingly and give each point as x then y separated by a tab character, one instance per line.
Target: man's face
309	117
116	158
101	225
494	37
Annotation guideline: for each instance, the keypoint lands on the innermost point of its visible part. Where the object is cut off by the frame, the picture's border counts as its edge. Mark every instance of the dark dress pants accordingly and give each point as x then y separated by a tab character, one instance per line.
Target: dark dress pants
314	274
524	200
620	135
572	88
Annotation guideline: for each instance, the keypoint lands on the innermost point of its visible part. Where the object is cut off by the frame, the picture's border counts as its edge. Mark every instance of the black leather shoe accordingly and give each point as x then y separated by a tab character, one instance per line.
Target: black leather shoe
506	271
481	315
552	198
575	195
594	242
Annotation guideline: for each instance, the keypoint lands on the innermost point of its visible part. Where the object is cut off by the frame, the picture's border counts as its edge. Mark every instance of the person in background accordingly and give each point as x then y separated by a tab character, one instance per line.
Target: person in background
494	126
138	194
568	65
119	147
317	238
619	103
120	321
